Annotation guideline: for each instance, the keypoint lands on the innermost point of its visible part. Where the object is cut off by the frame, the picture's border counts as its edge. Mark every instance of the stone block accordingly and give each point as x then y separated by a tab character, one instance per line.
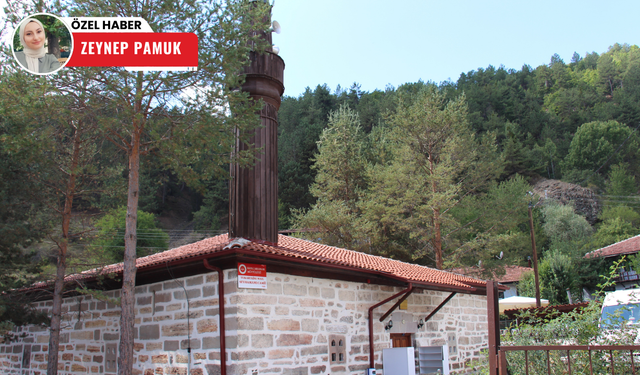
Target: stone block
288	339
284	325
274	288
255	299
178	329
314	350
194	344
155	287
247	355
261	310
171	345
111	336
310	325
318	369
192	314
173	284
261	341
161	318
160	358
358	368
214	342
281	310
150	332
346	295
254	323
209	290
144	300
281	353
191	293
83	335
311	302
162	297
205	302
328	293
197	280
207	325
294	290
296	371
337	328
176	371
286	300
78	368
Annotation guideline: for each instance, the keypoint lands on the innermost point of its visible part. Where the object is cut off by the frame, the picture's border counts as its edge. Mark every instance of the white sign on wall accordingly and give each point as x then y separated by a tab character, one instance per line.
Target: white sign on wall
252	276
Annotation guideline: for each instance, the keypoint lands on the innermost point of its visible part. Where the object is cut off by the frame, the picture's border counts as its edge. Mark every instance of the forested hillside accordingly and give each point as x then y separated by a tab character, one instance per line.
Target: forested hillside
351	168
431	173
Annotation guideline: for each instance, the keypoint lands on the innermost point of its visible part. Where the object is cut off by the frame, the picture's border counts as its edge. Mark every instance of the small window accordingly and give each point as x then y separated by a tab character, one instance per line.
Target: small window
338	353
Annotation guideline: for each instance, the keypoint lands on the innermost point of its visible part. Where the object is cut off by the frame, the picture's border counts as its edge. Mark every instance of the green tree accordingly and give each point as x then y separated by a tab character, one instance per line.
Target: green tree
340	181
22	223
611	231
597	146
437	164
111	228
174	113
65	123
563	227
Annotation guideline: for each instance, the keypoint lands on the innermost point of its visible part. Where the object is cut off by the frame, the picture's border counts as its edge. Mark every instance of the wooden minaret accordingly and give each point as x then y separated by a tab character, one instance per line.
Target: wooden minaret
253	195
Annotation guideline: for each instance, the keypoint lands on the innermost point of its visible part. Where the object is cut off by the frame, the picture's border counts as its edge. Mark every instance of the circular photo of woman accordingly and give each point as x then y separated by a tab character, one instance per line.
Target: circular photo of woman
42	43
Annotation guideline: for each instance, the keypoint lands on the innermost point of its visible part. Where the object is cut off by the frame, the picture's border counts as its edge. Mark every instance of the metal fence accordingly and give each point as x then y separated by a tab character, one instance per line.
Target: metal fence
569	359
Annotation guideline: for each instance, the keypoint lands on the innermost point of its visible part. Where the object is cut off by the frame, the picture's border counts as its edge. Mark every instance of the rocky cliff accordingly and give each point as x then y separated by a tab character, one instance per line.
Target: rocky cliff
583	199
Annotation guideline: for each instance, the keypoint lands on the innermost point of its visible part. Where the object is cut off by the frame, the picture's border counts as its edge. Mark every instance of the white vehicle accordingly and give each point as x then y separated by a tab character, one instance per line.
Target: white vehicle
621	305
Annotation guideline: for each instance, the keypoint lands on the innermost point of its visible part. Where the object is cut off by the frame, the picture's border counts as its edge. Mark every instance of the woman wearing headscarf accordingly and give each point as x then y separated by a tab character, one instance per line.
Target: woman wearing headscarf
34	56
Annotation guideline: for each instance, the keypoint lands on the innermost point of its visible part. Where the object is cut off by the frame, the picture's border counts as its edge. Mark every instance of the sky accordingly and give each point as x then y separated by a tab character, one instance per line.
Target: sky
378	43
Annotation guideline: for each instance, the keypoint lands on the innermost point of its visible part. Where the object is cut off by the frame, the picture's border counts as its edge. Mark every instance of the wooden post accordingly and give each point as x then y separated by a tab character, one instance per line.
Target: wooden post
493	319
535	258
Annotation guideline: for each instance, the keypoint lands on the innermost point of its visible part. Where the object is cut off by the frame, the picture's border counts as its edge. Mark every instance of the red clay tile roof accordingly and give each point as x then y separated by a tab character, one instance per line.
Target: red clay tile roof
628	246
512	273
295	248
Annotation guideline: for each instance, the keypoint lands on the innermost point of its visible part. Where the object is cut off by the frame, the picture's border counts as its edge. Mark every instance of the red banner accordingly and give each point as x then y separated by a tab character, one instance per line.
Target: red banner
158	51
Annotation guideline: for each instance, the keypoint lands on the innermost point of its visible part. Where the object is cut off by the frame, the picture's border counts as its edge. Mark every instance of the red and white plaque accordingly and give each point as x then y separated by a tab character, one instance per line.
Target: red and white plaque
252	276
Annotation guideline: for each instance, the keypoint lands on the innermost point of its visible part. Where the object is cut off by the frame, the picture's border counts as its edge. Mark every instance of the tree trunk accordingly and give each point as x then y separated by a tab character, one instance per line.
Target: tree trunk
54	336
53	46
437	239
127	317
56	310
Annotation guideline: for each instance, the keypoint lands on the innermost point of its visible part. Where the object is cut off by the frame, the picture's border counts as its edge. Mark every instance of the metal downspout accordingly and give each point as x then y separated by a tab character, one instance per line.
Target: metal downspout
223	346
371	349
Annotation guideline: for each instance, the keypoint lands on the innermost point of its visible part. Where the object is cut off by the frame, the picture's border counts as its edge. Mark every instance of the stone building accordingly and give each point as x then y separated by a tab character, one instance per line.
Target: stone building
293	308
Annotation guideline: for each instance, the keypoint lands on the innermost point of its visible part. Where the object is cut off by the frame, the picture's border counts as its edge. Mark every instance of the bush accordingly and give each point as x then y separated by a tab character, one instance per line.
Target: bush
110	238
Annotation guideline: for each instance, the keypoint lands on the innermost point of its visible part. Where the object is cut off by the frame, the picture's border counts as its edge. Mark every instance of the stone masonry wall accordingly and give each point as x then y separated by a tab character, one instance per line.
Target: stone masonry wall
284	330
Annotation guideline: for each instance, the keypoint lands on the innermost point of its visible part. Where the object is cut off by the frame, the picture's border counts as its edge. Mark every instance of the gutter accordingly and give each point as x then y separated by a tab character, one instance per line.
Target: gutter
221	315
371	349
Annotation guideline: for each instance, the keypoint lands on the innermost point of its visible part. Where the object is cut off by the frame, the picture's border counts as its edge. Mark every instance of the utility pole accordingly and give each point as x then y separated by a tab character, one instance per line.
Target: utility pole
535	255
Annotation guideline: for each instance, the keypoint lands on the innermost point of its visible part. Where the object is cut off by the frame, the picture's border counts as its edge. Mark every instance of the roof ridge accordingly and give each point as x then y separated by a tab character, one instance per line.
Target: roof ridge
613	244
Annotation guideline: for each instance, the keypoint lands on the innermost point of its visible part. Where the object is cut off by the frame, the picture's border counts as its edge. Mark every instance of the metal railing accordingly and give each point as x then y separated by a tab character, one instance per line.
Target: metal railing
569	359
